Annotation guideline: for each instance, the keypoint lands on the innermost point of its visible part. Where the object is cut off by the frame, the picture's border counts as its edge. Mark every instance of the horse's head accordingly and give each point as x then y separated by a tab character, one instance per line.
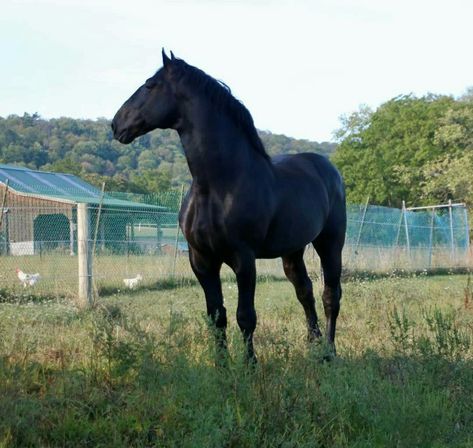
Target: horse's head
152	106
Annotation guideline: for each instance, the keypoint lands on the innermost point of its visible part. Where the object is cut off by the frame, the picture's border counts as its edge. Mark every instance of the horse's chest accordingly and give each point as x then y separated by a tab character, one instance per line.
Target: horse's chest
203	224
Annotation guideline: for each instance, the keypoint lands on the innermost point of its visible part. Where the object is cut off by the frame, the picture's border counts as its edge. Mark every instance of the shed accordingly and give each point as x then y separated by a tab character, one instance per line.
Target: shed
39	213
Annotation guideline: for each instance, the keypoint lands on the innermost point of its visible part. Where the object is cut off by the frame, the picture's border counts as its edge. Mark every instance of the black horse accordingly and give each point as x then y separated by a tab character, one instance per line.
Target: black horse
242	204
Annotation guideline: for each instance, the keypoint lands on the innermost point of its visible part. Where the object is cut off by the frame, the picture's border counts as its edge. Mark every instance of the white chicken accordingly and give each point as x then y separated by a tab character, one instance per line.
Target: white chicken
132	283
27	279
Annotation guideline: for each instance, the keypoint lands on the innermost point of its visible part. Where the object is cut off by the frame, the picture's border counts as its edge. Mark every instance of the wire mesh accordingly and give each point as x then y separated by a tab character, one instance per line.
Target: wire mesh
135	242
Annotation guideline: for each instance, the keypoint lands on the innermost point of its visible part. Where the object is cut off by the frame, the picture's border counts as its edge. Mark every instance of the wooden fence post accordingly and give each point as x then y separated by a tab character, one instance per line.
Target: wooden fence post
71	237
84	255
4	201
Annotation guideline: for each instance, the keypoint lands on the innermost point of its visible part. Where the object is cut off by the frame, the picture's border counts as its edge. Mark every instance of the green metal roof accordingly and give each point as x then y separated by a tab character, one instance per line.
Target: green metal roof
61	186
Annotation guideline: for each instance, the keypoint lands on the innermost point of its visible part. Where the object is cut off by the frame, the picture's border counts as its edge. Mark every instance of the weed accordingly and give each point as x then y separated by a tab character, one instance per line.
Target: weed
448	340
401	330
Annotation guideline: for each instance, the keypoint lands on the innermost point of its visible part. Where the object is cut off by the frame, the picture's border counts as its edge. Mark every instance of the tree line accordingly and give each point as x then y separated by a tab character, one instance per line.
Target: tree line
152	163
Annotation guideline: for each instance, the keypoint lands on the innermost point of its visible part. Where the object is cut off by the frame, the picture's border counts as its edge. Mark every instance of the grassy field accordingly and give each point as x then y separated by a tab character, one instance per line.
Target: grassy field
139	370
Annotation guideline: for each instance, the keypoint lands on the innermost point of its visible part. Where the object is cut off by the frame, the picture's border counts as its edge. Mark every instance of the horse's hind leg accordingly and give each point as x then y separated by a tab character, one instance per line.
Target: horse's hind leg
296	272
329	247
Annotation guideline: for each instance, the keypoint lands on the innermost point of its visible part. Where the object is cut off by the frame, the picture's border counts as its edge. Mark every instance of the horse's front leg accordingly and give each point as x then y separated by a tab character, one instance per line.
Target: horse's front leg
243	264
207	271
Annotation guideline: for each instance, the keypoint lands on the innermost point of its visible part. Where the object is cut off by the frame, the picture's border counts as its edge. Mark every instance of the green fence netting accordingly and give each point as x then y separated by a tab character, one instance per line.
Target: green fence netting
391	227
133	236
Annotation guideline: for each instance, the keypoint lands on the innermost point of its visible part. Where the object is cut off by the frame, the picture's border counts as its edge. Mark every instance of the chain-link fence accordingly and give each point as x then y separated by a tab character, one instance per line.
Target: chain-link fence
383	238
128	241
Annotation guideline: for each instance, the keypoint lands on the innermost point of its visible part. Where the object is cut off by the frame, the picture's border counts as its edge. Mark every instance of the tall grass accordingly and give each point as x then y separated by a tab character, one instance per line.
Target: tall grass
139	370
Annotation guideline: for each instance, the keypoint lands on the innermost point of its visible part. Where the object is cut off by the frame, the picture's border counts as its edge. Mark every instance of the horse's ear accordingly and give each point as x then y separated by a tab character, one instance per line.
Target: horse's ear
166	60
172	56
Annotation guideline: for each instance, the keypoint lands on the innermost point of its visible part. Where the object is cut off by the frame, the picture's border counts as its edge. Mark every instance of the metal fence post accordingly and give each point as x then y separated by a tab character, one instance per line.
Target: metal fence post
406	227
450	217
398	234
94	242
431	237
158	235
84	255
97	219
467	230
361	225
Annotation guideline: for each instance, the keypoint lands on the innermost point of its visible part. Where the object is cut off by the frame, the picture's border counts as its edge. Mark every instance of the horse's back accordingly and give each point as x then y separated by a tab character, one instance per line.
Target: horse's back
312	172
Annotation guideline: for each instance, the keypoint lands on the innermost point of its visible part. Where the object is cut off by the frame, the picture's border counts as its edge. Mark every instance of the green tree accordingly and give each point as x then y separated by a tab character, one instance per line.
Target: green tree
449	176
382	153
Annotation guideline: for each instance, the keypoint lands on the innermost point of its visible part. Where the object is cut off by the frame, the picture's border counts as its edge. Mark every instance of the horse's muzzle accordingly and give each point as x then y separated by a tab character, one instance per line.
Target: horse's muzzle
127	125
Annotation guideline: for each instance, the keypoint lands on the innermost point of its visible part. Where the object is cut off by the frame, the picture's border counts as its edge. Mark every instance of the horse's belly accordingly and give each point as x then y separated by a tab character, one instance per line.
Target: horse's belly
290	235
281	248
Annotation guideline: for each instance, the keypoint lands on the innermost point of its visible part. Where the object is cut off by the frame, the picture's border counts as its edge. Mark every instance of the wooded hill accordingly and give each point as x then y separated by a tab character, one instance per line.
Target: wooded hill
152	163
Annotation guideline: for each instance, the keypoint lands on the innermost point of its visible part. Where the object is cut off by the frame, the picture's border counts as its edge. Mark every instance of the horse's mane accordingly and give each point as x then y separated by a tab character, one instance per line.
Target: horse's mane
220	95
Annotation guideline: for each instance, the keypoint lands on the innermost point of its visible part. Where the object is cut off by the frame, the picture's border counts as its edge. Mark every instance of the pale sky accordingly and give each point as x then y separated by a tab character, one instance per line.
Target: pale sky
297	66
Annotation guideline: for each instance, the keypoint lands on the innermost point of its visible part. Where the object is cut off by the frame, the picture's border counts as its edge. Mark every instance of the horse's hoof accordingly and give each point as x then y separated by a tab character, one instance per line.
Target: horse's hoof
321	351
329	356
222	362
314	336
330	352
251	361
222	358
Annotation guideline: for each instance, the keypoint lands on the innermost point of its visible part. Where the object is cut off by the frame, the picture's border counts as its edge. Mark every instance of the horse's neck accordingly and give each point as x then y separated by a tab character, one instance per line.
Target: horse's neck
218	153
